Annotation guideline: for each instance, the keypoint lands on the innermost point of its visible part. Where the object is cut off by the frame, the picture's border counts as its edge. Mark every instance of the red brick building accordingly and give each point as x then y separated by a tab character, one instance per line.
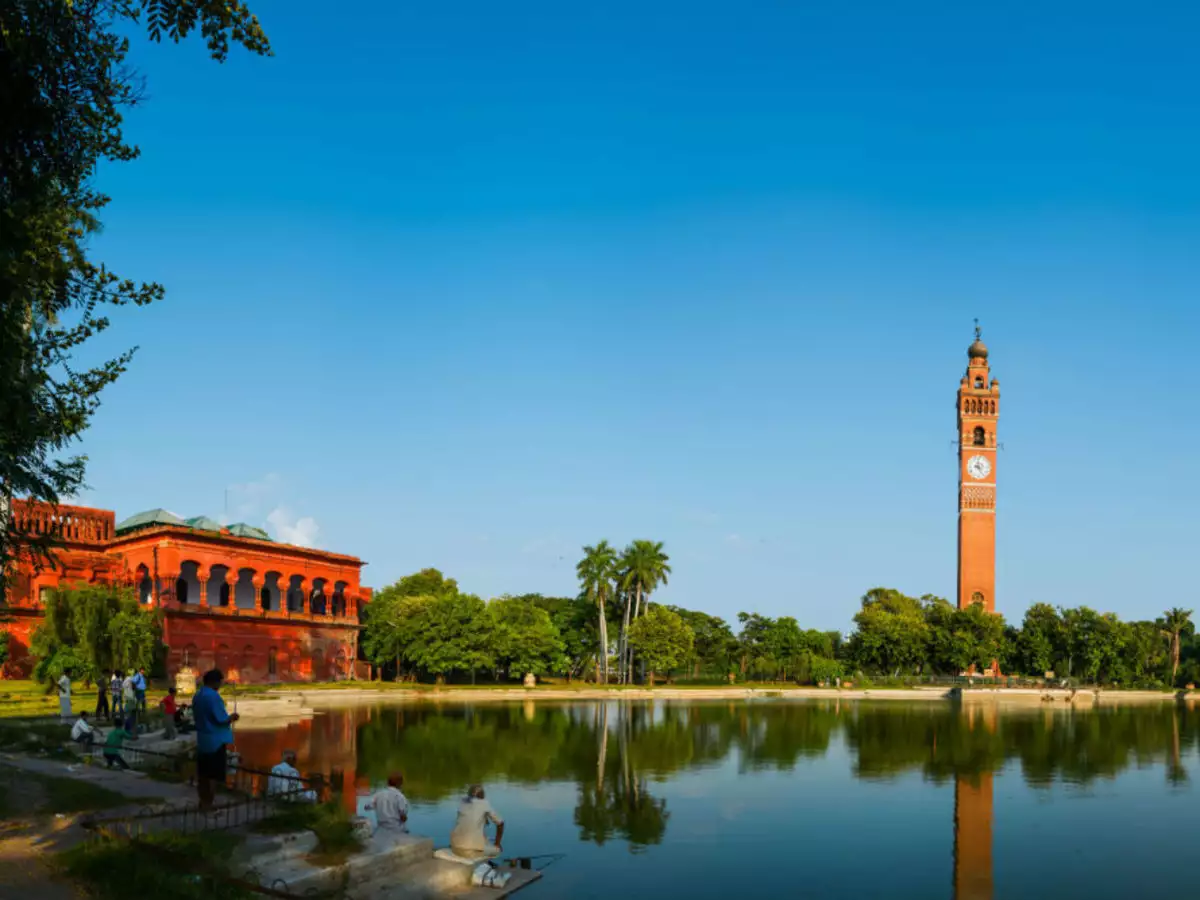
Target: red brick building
231	597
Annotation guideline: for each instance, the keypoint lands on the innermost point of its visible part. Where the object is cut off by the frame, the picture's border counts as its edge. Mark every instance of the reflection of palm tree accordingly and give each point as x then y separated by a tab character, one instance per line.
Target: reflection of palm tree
1176	773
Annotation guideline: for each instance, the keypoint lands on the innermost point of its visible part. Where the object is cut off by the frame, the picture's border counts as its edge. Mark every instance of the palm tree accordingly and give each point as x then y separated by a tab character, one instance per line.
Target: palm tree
597	571
1175	623
644	566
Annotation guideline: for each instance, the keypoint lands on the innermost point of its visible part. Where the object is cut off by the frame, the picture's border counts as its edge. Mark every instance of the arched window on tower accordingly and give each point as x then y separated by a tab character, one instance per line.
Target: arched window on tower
977	597
979	438
979	381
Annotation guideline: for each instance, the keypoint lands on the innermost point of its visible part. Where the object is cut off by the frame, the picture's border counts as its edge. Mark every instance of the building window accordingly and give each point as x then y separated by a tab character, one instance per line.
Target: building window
977	597
979	438
271	661
223	600
181	590
265	597
978	382
44	595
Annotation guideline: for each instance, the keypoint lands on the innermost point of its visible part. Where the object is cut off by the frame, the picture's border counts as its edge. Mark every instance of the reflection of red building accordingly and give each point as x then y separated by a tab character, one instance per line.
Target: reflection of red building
231	597
325	745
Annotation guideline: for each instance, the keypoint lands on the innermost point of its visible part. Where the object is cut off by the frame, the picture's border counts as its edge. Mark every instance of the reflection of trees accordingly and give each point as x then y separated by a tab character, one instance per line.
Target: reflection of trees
616	752
774	737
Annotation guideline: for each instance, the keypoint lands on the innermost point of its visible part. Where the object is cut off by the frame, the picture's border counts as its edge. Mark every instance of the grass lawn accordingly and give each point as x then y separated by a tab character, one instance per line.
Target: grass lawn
165	865
29	699
30	793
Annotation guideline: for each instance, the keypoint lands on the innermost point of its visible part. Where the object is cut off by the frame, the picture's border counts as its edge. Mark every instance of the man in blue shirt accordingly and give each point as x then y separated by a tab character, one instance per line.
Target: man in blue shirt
139	689
213	734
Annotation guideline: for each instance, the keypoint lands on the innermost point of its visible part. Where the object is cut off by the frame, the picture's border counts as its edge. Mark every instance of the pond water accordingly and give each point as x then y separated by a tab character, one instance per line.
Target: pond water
773	798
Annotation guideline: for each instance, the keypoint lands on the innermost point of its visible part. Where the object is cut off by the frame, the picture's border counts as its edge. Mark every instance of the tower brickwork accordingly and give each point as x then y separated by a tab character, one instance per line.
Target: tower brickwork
978	411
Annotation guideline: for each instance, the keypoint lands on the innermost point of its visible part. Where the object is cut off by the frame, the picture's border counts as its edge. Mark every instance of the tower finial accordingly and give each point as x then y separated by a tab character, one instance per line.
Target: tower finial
978	331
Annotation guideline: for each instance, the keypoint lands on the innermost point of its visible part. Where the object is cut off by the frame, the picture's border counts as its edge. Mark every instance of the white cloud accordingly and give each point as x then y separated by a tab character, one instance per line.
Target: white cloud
301	531
252	499
734	539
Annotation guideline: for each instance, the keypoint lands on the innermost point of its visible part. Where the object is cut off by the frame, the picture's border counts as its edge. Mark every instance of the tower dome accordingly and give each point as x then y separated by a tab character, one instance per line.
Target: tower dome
977	350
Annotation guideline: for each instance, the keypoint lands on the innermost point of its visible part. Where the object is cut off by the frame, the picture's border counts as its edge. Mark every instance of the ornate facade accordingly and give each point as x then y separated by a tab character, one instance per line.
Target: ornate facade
230	597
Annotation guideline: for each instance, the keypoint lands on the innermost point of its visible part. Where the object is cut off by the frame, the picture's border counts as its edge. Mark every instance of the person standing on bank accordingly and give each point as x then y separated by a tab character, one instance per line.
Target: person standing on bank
139	689
102	697
64	695
114	688
213	736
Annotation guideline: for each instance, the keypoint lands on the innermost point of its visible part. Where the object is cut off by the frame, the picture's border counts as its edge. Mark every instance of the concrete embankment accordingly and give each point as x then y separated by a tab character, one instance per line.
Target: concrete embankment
302	703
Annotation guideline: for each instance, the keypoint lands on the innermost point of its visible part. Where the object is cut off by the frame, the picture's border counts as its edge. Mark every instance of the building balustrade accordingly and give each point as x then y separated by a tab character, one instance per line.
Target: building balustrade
68	523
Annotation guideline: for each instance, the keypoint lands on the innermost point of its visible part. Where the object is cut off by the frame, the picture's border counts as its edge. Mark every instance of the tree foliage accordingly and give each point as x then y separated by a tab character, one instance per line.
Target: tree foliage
524	639
662	639
90	630
63	67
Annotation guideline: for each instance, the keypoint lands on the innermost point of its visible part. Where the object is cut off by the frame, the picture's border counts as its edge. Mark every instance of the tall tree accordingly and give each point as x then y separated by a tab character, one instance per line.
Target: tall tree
597	571
644	566
662	639
62	64
92	629
1174	624
524	638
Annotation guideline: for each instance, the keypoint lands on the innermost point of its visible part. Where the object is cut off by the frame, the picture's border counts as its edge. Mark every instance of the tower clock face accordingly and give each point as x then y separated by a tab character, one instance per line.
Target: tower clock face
978	467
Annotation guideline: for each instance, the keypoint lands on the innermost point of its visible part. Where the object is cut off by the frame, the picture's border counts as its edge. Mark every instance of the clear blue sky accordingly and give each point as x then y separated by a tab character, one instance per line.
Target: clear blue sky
469	285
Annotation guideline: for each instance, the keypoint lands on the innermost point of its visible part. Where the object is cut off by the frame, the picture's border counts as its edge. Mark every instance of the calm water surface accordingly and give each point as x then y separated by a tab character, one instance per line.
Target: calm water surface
821	799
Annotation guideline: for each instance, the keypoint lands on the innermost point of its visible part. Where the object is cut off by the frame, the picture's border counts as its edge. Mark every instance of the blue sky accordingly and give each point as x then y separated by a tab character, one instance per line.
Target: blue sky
469	286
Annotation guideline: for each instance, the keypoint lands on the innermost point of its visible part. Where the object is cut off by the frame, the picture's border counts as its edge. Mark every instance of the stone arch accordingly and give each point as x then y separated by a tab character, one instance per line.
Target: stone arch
277	586
318	602
187	585
218	590
290	597
977	597
247	663
979	437
243	589
144	584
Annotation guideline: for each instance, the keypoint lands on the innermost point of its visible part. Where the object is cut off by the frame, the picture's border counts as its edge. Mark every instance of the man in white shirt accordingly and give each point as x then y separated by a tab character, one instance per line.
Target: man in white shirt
474	813
82	732
391	806
64	695
284	783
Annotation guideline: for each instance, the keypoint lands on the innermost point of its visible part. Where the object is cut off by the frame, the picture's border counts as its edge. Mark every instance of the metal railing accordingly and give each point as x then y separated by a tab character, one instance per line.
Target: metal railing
247	789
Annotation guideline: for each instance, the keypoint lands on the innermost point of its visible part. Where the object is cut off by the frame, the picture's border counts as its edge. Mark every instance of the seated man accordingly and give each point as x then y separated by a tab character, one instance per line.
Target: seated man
468	837
285	783
391	806
82	732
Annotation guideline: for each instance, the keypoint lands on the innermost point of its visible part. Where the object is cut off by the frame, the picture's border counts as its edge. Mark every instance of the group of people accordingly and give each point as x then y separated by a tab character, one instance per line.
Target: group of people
214	735
389	807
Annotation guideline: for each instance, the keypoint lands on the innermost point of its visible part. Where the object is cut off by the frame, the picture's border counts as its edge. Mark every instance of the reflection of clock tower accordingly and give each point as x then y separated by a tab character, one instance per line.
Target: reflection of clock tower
978	410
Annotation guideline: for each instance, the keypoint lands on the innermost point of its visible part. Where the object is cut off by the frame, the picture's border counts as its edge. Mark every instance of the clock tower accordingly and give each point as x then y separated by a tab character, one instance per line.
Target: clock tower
978	411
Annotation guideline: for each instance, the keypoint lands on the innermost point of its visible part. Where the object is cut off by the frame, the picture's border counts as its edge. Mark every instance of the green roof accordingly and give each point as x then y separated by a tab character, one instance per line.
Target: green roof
150	517
204	523
241	529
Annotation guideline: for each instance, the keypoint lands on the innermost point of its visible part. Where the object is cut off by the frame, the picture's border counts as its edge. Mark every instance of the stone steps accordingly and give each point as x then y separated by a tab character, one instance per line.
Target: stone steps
390	867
